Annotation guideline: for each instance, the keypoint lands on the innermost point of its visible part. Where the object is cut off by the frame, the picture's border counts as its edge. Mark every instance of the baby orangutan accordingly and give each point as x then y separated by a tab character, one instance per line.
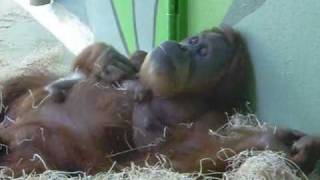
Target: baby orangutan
112	110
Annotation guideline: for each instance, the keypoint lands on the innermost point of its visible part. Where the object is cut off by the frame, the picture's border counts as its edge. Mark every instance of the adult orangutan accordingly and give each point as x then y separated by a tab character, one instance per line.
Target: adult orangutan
108	109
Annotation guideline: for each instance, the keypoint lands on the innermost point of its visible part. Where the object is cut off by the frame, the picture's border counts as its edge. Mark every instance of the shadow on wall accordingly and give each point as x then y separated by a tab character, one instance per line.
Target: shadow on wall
240	9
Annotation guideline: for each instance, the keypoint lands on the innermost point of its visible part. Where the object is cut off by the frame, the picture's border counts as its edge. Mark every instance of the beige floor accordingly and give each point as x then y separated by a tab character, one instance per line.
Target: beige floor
25	44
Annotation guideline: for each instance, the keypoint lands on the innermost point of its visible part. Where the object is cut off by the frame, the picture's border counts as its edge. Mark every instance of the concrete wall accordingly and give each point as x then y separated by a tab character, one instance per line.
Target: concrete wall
284	41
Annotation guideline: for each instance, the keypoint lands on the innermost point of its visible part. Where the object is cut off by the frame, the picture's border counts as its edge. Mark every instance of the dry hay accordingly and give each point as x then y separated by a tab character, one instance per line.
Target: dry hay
262	165
256	165
247	165
237	121
156	172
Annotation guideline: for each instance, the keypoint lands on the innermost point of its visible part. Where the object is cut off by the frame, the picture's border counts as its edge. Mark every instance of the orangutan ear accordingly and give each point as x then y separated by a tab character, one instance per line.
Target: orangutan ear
228	32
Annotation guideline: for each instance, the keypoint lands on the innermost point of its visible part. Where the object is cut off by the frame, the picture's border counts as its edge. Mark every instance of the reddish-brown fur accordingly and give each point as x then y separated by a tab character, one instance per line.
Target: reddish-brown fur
76	135
79	133
97	123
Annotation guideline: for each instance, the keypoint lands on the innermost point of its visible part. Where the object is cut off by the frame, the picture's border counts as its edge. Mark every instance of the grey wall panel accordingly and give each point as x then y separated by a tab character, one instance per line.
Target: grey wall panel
284	42
145	12
103	22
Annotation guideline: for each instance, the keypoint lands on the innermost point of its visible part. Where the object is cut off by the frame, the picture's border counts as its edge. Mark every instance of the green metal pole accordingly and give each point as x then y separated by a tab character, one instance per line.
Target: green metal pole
182	19
178	19
172	19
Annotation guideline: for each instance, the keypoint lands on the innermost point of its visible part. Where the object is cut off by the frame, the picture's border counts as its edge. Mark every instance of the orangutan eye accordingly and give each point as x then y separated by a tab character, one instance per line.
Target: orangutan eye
203	51
193	40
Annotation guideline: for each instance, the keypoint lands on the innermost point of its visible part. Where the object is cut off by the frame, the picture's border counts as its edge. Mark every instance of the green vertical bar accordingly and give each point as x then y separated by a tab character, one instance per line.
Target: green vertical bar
162	22
182	20
172	19
178	19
